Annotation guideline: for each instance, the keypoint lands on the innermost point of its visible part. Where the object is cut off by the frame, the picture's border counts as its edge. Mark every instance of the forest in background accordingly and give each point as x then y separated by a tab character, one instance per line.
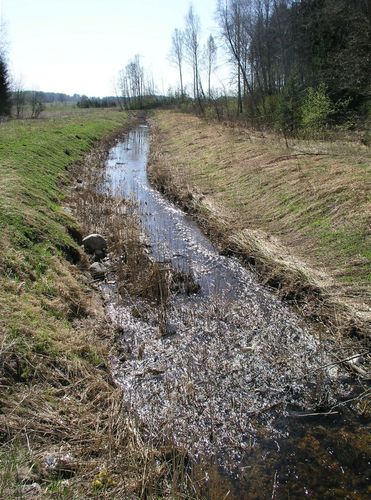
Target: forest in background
294	65
299	67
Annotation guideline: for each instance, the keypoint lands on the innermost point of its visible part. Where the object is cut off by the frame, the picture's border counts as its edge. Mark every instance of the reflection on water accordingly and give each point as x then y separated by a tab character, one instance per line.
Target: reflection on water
173	236
237	378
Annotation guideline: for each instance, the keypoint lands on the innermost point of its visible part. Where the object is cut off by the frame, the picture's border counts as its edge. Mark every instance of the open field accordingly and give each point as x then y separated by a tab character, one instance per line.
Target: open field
63	431
299	215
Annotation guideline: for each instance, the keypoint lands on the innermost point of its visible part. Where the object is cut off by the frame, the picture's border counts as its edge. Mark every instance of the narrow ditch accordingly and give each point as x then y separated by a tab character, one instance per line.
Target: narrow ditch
222	369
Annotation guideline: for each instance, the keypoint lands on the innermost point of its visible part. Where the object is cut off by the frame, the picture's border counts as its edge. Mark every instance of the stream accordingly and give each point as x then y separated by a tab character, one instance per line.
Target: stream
238	380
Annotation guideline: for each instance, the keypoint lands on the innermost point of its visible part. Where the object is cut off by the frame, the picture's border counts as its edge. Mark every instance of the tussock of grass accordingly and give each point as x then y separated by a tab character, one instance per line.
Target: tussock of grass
57	398
250	191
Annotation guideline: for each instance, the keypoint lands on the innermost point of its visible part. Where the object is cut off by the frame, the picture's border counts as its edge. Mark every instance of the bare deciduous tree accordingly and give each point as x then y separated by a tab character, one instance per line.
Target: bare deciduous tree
131	83
235	25
192	45
210	53
177	55
135	75
37	106
123	85
279	49
19	98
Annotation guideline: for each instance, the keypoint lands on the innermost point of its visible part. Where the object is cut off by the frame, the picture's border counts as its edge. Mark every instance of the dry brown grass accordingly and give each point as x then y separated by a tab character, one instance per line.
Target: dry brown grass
299	216
74	415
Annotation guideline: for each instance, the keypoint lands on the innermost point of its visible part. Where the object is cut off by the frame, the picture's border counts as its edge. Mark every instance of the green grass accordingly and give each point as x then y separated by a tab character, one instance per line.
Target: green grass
35	157
57	394
41	294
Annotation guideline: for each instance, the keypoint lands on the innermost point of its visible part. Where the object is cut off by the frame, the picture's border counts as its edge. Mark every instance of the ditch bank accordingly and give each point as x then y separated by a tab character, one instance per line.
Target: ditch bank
183	165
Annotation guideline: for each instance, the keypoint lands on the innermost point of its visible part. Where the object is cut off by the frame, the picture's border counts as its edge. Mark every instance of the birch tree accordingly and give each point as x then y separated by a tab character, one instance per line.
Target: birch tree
210	59
192	45
177	55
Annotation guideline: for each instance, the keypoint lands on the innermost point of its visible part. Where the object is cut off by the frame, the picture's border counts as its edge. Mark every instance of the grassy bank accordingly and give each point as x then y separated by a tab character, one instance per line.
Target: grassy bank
297	215
62	427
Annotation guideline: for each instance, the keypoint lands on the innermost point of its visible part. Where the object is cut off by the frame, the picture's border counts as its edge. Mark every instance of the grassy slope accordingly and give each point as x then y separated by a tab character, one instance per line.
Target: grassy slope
303	211
34	158
55	389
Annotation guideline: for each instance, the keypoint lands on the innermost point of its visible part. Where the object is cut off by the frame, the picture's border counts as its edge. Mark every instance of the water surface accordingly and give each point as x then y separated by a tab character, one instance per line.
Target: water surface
241	382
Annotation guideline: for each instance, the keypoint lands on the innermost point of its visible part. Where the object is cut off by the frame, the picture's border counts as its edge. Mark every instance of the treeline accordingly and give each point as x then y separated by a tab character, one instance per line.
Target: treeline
31	103
52	97
295	65
142	100
97	102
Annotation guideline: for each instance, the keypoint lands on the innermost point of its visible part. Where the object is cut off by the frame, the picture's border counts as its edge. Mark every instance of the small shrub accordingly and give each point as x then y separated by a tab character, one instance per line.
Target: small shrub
316	109
276	112
210	113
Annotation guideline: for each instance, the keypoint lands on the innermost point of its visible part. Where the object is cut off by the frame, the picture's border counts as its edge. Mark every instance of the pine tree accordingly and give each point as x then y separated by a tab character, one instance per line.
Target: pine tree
5	98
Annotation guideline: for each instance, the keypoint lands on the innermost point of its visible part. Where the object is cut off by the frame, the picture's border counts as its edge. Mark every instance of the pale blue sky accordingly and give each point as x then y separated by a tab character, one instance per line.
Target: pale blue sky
80	45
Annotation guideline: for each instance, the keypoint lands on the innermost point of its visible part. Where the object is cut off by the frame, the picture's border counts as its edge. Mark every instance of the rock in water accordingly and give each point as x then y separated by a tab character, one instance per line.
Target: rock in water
98	270
94	242
99	255
169	329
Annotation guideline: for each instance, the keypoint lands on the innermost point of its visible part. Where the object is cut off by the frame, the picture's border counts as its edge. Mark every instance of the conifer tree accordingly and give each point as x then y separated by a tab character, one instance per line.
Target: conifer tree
5	97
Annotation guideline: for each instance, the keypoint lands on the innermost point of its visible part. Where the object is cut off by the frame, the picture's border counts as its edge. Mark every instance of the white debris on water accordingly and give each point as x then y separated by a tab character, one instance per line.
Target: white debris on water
218	383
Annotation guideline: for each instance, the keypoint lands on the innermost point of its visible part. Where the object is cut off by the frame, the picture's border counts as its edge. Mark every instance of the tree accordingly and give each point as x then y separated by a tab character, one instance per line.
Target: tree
192	45
210	59
132	85
5	96
19	98
177	55
235	26
37	106
278	49
137	86
334	37
124	88
135	76
5	102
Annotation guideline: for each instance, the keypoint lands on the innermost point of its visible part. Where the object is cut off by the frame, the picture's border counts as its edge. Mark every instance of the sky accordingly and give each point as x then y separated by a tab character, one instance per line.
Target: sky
79	46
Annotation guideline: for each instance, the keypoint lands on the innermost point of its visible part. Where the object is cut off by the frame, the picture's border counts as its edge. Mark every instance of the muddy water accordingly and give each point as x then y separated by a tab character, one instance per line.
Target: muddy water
237	380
